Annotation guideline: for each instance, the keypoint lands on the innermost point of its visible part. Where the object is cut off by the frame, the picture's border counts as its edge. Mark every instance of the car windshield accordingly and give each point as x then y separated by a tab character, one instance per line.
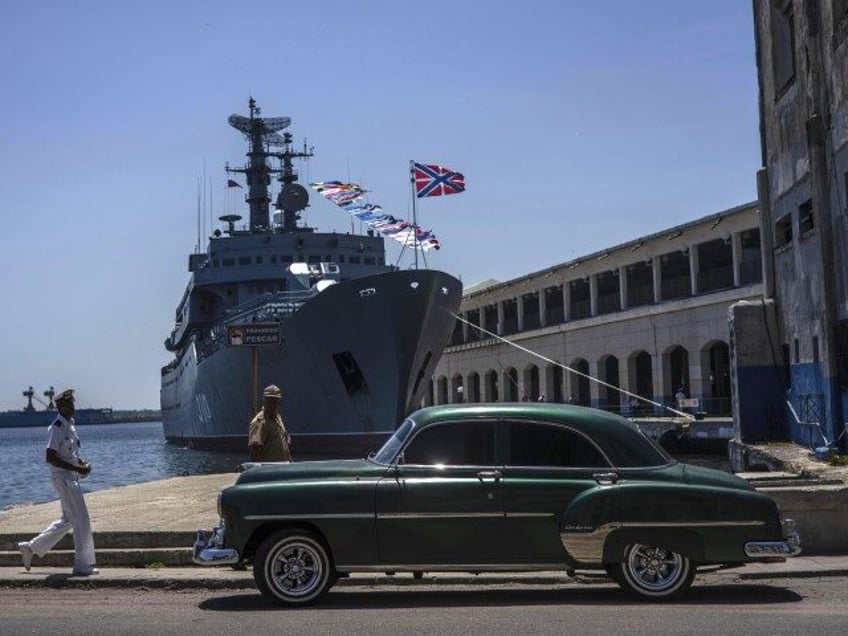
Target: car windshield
387	453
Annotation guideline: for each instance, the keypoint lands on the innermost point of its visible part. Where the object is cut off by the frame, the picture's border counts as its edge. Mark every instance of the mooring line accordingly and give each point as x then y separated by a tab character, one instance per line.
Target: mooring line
688	416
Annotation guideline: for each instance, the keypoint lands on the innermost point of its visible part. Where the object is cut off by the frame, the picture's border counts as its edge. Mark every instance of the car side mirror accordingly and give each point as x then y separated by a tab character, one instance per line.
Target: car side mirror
399	460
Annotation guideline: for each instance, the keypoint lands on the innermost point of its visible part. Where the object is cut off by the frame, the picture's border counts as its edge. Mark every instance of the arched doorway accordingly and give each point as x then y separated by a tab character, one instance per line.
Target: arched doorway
490	386
442	390
473	392
610	397
511	385
531	383
718	402
554	376
641	383
678	369
457	389
579	384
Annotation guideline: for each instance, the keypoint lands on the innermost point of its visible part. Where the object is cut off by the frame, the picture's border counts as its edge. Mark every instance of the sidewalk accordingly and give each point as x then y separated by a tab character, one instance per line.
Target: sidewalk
218	578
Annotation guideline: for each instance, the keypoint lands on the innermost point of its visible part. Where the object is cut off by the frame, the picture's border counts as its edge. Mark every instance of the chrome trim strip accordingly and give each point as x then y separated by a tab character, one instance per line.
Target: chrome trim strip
352	515
680	524
402	515
453	567
439	515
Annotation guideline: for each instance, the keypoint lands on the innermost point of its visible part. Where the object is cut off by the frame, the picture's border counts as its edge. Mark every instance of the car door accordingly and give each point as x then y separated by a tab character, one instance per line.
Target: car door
547	465
442	504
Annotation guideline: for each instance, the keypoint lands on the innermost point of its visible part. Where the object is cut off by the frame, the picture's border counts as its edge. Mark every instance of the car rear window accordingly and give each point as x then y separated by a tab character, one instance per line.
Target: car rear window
537	444
630	448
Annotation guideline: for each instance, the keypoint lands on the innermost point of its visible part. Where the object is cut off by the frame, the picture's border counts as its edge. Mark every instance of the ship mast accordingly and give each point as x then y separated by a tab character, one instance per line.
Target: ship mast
261	133
293	197
28	394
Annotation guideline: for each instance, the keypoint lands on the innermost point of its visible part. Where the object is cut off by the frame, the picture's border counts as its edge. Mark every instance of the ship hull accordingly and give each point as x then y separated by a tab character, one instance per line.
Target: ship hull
29	419
354	361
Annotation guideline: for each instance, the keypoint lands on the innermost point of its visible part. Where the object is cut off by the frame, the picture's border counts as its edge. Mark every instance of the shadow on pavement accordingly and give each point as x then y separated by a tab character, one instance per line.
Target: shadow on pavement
394	599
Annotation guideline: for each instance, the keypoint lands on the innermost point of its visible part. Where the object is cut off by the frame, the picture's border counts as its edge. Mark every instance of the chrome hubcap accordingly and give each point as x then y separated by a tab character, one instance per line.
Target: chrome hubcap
654	569
297	569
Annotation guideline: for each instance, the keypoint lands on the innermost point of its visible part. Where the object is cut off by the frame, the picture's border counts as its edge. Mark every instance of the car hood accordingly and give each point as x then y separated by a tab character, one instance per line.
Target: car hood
320	470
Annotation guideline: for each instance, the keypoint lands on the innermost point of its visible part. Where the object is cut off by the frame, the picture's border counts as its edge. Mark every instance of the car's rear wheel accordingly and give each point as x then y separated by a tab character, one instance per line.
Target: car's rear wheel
650	572
293	567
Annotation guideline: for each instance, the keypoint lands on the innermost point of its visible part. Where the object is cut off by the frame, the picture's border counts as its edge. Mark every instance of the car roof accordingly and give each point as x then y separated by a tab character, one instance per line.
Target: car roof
620	438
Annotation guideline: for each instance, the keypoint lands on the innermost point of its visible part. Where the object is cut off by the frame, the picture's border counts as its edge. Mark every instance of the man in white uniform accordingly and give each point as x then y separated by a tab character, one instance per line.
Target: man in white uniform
67	468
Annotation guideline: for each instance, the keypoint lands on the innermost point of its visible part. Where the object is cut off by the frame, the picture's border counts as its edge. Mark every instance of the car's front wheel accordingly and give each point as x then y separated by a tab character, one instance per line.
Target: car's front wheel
293	567
653	573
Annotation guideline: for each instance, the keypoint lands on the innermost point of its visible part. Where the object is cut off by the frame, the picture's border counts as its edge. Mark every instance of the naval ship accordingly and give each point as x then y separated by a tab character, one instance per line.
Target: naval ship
30	416
351	341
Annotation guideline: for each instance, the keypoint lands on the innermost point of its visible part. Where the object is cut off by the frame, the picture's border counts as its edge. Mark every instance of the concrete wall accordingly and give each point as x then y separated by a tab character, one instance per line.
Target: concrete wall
759	411
804	136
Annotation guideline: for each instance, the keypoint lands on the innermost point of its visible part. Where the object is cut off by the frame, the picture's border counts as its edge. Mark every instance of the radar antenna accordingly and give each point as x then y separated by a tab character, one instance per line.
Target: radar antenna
28	395
49	393
265	127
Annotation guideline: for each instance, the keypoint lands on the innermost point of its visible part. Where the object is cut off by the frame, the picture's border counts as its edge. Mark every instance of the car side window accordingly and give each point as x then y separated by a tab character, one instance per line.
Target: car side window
536	444
453	444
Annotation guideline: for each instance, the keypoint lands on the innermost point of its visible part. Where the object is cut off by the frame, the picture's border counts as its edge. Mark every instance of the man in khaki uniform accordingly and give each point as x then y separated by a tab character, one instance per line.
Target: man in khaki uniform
268	440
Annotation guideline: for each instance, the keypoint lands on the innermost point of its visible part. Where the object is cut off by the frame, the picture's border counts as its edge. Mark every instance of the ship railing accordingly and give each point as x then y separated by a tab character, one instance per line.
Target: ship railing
287	302
271	307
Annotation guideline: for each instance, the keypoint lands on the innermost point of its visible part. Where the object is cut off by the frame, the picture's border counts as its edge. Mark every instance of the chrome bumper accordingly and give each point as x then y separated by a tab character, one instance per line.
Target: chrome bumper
779	550
208	548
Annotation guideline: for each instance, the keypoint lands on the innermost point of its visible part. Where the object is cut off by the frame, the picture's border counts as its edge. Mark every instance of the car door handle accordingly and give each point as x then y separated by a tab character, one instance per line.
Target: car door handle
483	475
605	479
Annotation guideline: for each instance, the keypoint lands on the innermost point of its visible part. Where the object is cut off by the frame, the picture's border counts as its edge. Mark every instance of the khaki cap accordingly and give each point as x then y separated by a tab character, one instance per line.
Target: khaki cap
272	391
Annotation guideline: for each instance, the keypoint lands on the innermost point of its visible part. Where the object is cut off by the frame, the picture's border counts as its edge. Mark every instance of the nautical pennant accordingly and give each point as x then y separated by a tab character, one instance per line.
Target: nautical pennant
347	196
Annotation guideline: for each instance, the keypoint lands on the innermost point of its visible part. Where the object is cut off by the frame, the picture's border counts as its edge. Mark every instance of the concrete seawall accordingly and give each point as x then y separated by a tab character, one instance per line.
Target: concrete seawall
812	493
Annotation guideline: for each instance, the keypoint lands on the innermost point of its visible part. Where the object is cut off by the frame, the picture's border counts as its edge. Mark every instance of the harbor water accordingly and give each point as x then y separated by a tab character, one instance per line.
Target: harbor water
120	454
123	454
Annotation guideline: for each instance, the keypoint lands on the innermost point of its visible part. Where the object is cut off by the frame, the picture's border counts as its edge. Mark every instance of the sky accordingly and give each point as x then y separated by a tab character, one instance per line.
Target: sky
578	126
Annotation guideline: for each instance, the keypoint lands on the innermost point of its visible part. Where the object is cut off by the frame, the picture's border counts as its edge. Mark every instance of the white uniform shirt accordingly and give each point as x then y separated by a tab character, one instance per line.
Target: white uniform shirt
63	439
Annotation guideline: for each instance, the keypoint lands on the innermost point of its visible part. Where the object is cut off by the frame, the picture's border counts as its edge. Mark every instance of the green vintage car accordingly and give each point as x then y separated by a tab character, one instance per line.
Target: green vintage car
495	487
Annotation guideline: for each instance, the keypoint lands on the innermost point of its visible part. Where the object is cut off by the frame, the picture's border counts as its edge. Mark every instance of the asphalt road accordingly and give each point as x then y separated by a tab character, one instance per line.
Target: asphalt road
719	605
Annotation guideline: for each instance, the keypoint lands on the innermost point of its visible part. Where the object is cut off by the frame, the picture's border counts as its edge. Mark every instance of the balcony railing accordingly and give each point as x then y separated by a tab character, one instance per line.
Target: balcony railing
751	272
715	279
679	287
638	296
554	315
581	309
510	326
531	321
609	303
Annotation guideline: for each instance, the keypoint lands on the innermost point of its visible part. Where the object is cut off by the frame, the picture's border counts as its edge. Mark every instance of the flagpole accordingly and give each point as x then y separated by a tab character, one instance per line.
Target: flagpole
414	210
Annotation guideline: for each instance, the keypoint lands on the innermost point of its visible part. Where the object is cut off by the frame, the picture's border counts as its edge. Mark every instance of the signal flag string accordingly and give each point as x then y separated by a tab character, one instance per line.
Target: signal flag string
688	416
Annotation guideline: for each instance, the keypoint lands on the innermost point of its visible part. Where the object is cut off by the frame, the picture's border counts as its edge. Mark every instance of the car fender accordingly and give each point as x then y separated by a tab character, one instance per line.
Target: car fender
598	524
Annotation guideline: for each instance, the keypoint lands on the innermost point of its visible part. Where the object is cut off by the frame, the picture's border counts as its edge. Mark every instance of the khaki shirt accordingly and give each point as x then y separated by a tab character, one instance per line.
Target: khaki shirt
270	436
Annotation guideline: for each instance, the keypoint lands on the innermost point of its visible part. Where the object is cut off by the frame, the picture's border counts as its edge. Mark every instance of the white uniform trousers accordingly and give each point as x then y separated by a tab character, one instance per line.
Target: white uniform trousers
74	519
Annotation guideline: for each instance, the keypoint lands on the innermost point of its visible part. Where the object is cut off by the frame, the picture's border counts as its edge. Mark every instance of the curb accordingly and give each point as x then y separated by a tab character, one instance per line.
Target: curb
196	578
